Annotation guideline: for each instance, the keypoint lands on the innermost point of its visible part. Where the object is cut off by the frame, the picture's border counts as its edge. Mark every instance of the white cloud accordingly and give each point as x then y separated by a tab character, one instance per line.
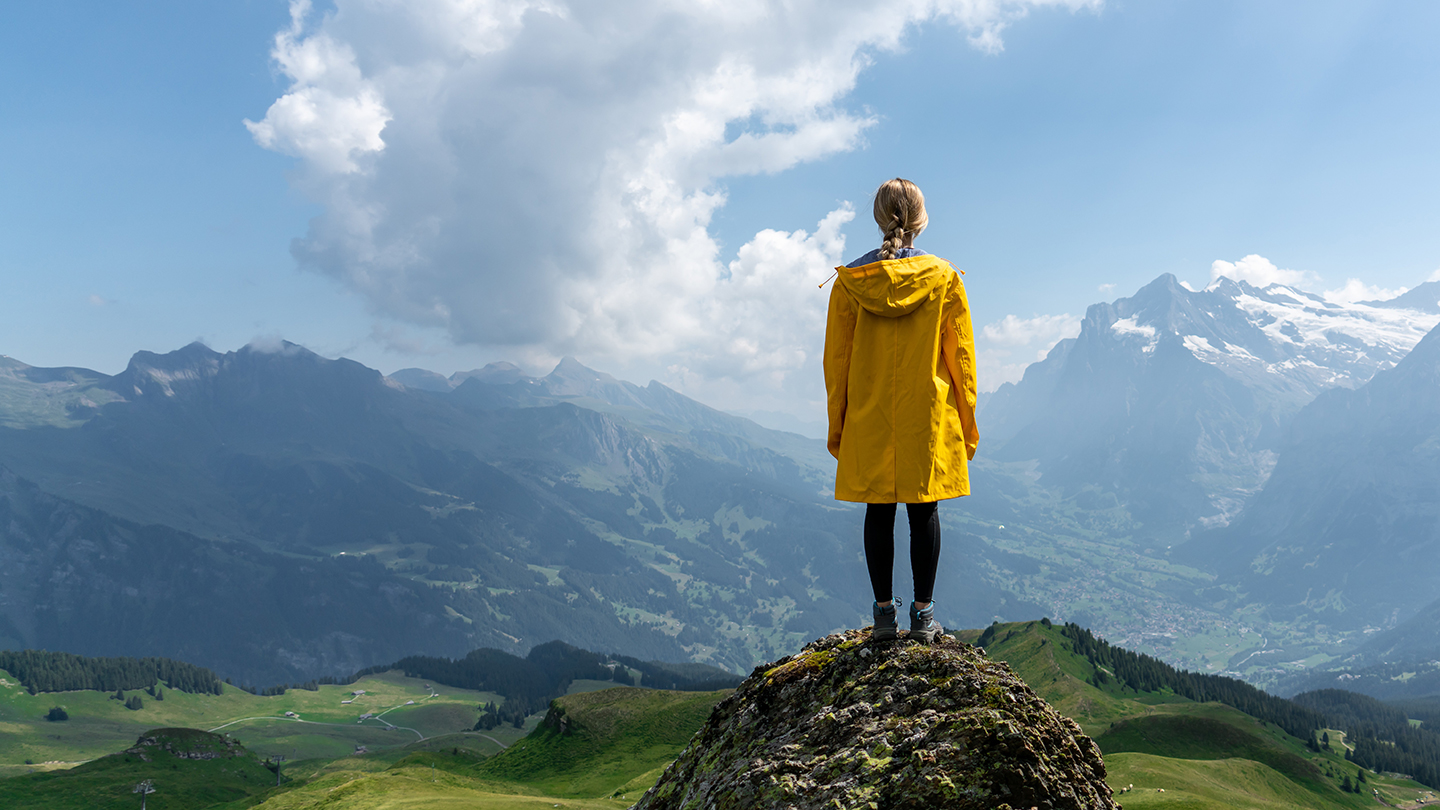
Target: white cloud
1357	290
98	300
1106	289
272	343
1435	276
331	112
1008	346
542	176
1011	331
1260	272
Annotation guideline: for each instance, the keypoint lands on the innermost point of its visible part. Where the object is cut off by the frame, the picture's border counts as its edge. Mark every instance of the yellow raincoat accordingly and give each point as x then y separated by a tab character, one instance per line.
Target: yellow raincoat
900	379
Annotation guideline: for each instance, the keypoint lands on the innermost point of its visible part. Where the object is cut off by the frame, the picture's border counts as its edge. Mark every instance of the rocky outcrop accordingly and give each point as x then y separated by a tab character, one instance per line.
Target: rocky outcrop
185	743
853	723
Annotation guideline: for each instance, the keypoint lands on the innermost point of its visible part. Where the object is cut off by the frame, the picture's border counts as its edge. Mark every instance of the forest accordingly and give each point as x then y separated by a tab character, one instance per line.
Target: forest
530	683
1383	737
1142	673
41	671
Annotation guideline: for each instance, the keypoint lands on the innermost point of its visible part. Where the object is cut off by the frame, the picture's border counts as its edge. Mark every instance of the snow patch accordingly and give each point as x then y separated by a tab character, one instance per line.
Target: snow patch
1198	345
1128	326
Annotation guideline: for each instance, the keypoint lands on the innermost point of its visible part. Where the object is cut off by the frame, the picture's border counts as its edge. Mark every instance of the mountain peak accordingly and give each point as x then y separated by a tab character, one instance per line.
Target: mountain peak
1424	298
421	379
149	372
497	373
279	347
188	354
571	369
848	722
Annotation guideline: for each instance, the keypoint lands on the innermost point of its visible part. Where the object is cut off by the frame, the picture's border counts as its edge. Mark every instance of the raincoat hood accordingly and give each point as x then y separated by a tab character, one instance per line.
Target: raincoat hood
894	287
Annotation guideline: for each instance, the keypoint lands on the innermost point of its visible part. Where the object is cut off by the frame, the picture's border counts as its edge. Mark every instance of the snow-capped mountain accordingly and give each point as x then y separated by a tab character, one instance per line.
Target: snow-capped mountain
1173	398
1282	337
1348	526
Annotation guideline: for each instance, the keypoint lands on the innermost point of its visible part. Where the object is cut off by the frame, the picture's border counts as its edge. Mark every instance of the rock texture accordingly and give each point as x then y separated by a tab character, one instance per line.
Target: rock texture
853	723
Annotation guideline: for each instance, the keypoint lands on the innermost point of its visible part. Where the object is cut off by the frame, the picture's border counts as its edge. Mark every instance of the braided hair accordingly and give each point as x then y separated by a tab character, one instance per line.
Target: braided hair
899	210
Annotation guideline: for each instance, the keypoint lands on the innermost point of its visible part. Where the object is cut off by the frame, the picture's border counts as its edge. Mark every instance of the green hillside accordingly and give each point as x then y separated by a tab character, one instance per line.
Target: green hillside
186	769
595	750
1200	754
602	747
325	726
596	743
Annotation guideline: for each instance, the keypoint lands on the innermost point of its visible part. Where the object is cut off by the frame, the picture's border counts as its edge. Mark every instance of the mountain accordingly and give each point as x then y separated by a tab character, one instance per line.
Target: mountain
1174	399
1348	525
76	578
1424	298
277	515
1415	638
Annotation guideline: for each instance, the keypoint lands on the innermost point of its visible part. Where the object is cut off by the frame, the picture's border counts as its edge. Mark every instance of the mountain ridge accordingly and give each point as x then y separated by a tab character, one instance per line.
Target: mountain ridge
498	513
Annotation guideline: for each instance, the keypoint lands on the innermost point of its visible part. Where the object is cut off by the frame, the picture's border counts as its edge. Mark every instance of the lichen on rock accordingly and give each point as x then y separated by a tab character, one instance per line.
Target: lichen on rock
852	723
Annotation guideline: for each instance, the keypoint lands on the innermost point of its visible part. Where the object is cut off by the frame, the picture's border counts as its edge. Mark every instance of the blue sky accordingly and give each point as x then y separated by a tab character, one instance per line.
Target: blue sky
469	212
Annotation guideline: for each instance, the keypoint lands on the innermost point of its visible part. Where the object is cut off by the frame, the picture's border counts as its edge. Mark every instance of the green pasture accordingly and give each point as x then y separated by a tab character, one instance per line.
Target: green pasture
1161	749
405	712
1203	755
179	782
613	737
416	787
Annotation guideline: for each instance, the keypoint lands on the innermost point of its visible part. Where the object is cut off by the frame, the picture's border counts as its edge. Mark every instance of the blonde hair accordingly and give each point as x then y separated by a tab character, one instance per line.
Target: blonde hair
899	210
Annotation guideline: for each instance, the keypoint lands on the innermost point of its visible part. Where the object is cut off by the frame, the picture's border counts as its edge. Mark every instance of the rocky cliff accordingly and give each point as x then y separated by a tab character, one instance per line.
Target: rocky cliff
852	723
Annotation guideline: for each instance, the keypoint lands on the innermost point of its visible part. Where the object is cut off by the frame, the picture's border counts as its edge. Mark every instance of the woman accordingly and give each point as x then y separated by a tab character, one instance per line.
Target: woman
900	379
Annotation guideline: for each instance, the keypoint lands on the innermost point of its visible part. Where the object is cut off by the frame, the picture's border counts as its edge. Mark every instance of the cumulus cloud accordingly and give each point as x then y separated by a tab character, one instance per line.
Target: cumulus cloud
1008	346
542	176
332	113
1106	289
1435	276
1260	272
1357	290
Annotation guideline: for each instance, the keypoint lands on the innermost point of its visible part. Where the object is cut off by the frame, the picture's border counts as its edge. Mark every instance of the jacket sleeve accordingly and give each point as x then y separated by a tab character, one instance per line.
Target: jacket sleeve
839	339
957	344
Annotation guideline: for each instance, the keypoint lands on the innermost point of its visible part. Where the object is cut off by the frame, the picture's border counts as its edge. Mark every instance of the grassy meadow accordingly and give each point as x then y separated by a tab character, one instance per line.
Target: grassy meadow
1161	750
1177	753
405	711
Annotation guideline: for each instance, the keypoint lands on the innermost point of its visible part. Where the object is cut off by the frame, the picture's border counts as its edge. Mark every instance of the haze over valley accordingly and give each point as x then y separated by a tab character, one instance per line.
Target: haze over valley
1199	474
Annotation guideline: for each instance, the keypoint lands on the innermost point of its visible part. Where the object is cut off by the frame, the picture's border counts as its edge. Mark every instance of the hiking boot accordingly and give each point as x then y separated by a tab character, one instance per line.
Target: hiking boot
886	627
923	627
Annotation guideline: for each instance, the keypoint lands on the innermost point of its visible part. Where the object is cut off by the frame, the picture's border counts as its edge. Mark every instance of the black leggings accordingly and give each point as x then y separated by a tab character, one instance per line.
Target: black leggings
924	547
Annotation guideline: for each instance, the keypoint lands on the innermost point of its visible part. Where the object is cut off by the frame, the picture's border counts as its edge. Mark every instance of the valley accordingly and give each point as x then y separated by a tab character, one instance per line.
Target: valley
1131	482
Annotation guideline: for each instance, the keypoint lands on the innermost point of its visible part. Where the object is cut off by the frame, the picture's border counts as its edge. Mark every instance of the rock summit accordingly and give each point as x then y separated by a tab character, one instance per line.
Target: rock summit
853	723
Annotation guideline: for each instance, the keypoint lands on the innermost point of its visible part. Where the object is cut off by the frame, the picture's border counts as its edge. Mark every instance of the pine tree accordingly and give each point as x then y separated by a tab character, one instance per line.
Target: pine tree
1325	740
57	714
1345	784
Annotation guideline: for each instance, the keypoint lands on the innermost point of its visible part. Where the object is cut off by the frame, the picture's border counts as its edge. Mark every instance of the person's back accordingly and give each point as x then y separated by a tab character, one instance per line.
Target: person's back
900	383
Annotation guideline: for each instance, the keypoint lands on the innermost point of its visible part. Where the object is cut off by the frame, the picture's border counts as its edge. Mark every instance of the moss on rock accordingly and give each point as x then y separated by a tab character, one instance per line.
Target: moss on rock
852	723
